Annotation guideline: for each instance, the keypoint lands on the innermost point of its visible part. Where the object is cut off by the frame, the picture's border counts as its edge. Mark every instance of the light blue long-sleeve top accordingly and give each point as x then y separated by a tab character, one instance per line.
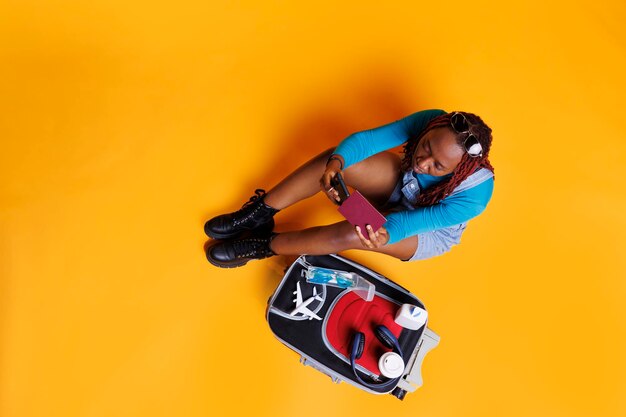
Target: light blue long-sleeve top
450	211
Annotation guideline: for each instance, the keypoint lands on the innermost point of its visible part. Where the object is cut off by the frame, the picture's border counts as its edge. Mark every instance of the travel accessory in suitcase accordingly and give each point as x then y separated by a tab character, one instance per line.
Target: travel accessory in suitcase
324	331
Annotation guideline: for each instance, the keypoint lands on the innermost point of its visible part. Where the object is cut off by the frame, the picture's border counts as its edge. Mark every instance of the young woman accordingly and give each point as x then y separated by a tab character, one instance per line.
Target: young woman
443	180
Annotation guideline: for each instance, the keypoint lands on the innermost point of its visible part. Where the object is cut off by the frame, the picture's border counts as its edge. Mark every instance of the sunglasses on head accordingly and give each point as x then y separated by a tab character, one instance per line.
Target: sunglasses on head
461	125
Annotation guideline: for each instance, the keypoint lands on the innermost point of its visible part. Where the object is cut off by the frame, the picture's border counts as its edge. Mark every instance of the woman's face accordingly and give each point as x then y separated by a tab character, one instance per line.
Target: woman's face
437	153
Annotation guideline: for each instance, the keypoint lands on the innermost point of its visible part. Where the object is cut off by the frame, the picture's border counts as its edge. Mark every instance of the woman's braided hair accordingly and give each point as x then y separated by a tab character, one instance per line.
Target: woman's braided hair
464	169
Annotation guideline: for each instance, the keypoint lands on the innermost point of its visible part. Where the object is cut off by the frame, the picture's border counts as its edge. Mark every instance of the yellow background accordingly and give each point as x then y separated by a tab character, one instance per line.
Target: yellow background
125	125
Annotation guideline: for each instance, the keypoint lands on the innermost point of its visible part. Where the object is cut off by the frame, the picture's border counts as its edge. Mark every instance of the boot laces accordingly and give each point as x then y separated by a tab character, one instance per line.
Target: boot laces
248	248
246	210
258	193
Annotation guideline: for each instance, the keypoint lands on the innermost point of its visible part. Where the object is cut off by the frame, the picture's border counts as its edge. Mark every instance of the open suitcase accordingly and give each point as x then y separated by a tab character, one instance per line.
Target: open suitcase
324	335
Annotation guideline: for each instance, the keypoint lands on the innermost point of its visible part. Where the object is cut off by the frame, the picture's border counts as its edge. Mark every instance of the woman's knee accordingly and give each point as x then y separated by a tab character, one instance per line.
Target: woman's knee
375	177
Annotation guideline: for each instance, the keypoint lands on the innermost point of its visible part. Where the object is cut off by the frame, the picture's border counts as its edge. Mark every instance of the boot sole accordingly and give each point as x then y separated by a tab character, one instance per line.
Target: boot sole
262	231
229	266
223	265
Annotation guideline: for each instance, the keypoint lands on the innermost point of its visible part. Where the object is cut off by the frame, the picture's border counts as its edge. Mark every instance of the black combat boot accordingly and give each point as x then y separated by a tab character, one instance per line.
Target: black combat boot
238	252
254	215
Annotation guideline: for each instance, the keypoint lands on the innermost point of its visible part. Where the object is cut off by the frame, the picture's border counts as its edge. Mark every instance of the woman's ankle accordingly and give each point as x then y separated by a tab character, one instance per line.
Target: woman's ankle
271	240
269	201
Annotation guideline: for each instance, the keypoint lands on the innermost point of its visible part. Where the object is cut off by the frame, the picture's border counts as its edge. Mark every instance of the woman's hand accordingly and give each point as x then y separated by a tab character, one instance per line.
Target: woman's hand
332	168
375	239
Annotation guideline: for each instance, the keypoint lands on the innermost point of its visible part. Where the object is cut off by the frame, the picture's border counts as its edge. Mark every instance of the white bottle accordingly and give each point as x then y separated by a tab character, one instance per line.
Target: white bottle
411	317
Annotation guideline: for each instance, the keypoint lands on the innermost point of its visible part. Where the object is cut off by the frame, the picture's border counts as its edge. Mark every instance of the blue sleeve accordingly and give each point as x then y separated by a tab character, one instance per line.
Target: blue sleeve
452	210
366	143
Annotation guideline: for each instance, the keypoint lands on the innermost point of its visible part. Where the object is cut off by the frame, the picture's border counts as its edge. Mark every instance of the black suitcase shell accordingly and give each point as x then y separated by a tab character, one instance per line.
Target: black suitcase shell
308	337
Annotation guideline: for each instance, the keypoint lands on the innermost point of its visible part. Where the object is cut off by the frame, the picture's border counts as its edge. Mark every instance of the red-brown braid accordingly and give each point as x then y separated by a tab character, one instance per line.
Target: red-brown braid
464	169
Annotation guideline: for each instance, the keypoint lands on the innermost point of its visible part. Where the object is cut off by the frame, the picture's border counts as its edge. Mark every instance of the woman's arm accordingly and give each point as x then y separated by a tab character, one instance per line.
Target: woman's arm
451	211
366	143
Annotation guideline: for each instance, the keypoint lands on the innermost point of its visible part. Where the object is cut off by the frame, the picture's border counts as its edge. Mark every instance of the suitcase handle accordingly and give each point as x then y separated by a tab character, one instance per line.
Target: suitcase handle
308	362
429	341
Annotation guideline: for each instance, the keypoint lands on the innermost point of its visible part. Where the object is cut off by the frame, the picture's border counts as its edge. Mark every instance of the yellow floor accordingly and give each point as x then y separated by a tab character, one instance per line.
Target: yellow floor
125	125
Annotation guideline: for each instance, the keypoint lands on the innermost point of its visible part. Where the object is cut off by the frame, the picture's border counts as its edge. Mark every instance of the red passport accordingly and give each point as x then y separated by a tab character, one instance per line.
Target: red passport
358	211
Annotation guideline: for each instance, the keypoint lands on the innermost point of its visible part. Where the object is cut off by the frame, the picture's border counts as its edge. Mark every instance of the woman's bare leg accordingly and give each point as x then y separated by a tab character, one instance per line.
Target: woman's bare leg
300	184
334	238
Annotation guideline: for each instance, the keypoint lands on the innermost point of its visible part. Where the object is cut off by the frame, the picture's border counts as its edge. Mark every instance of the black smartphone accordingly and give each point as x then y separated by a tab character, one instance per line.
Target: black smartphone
339	185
